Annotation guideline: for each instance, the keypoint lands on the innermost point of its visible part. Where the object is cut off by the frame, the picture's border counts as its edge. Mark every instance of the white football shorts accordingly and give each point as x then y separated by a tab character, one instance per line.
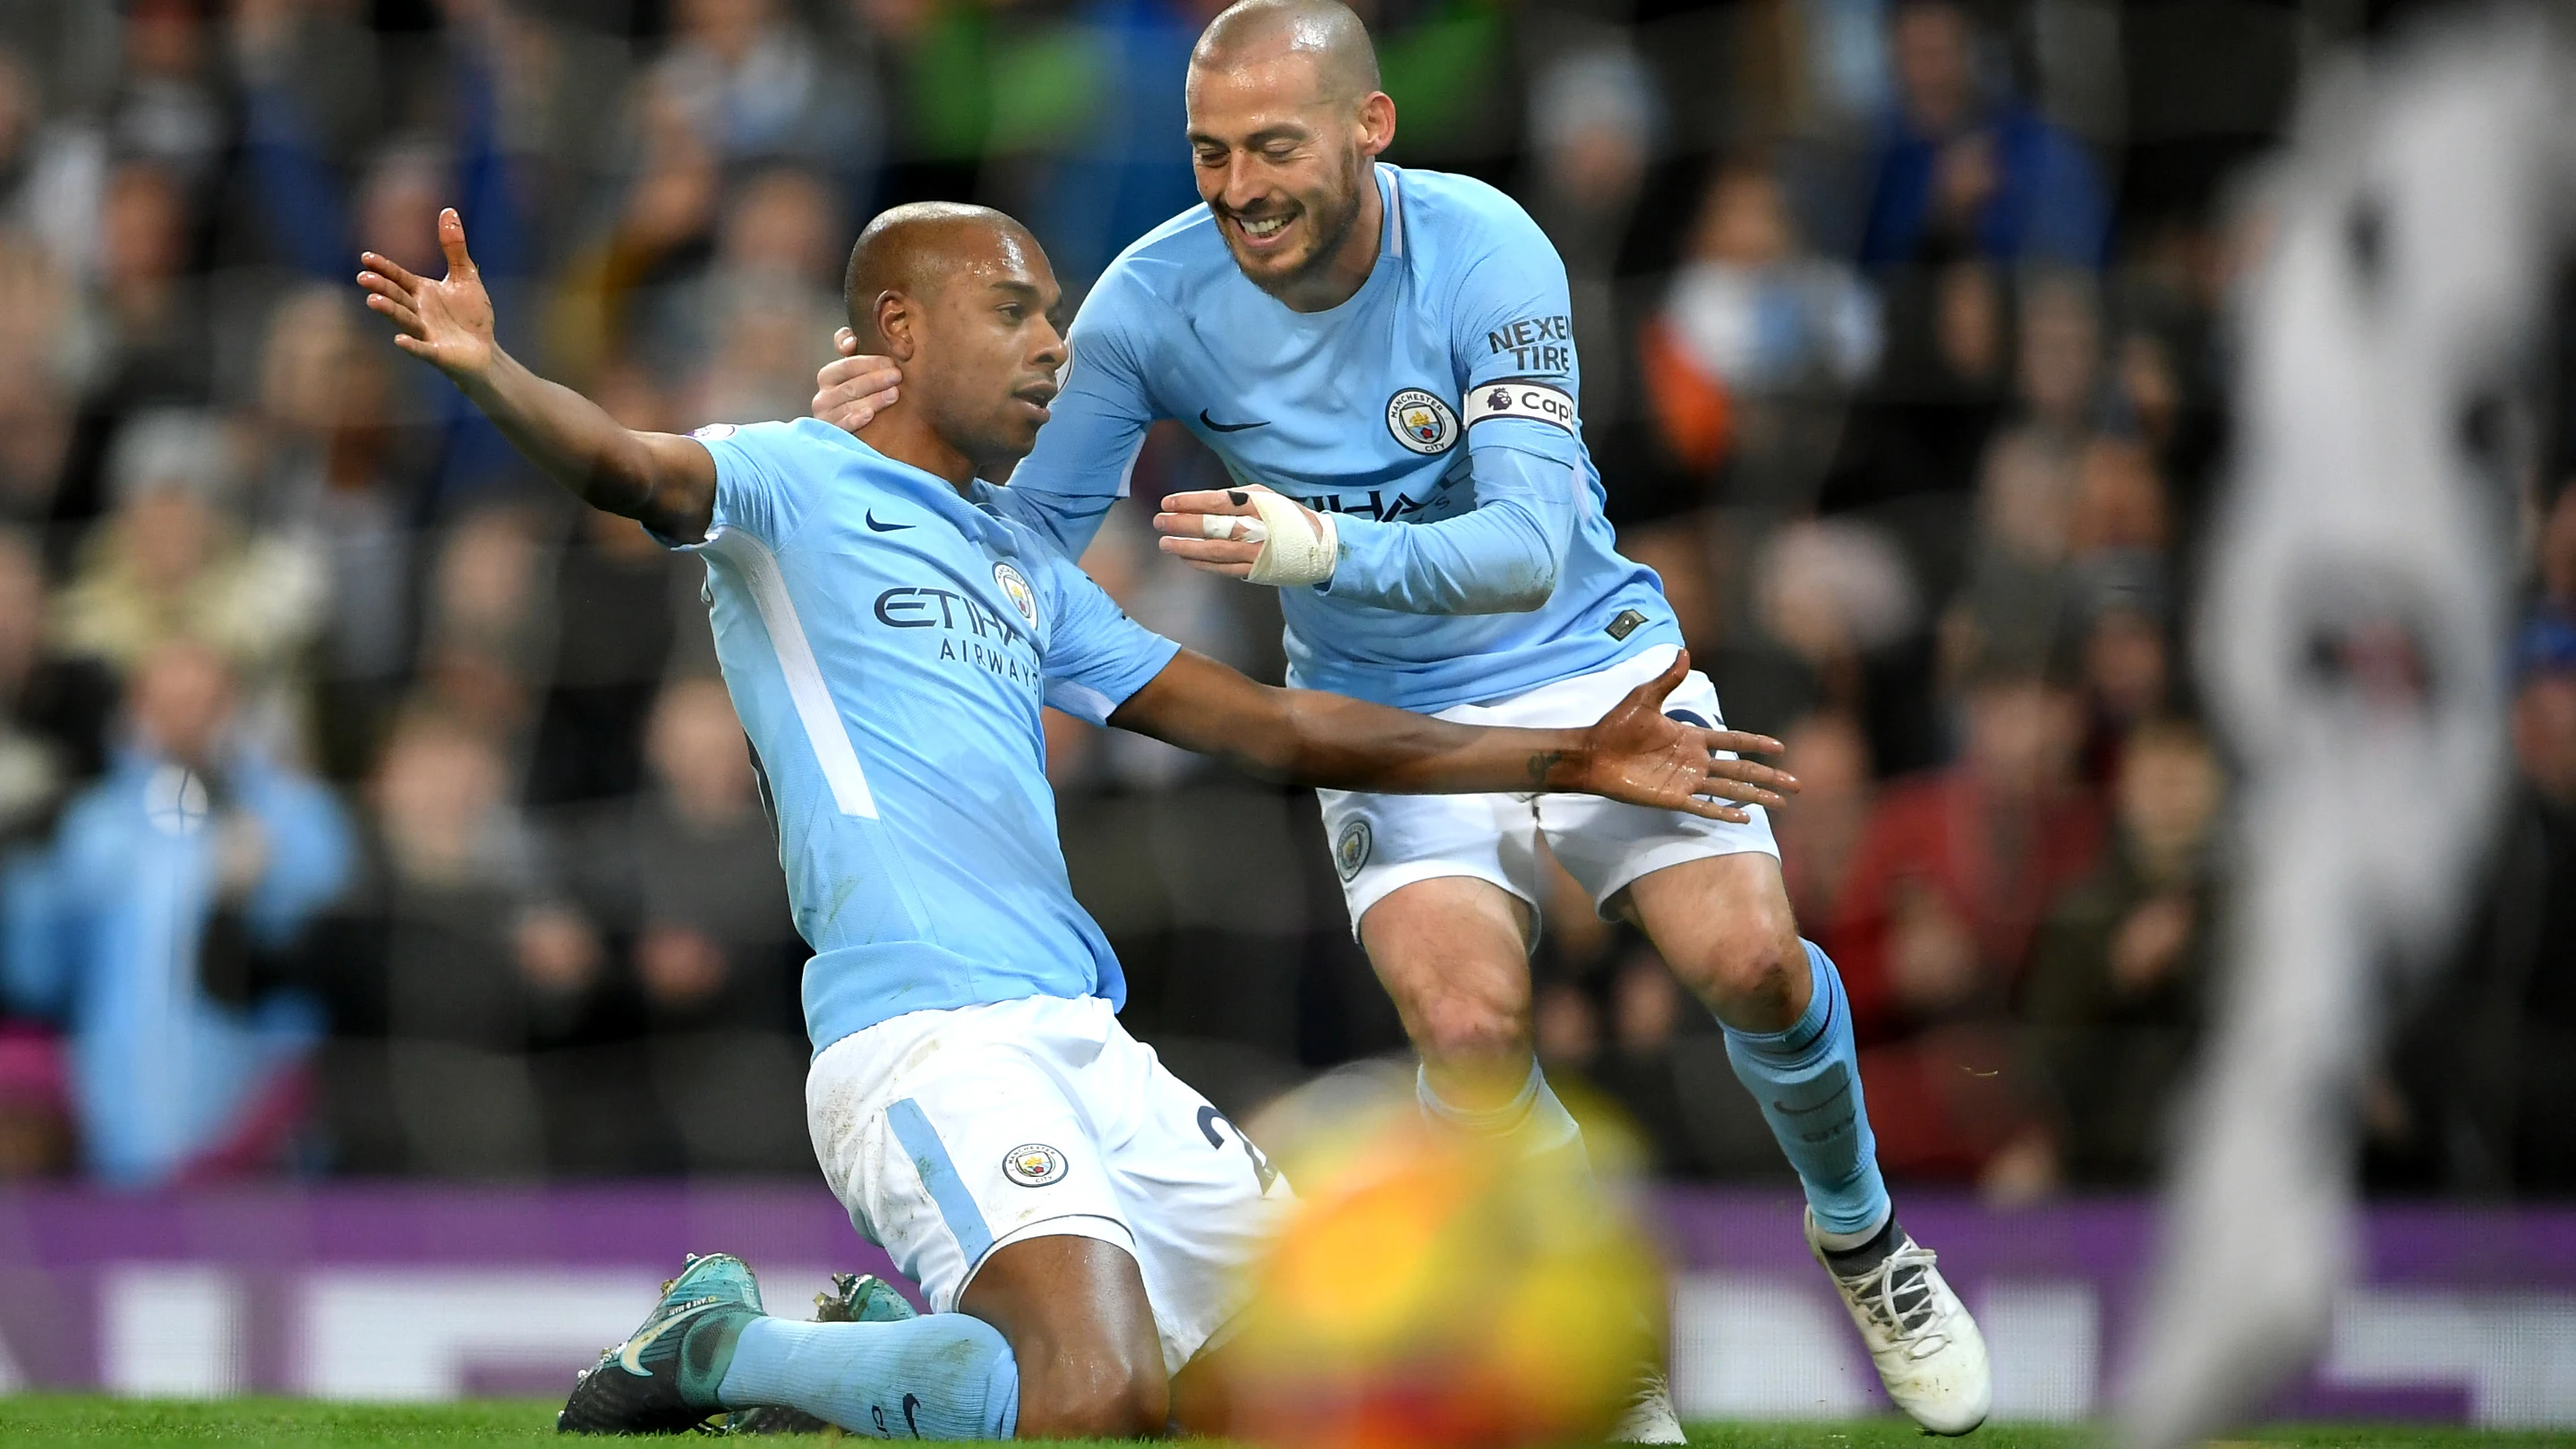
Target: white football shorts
1383	842
950	1134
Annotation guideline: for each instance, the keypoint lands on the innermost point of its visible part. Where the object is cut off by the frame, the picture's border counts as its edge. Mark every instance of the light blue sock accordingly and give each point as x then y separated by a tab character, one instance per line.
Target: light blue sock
1534	1119
1807	1080
939	1376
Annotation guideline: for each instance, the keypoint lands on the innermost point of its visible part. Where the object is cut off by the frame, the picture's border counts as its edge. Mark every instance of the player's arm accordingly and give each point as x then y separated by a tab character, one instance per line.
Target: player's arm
1635	753
666	482
1502	557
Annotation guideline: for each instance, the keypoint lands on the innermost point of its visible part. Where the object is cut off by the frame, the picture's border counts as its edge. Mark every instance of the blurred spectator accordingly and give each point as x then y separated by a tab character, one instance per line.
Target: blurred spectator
2055	496
483	636
2481	1077
153	929
690	865
334	488
53	709
1820	833
748	333
1966	168
444	965
170	563
166	109
50	170
753	84
618	599
1934	925
1752	325
35	431
2119	975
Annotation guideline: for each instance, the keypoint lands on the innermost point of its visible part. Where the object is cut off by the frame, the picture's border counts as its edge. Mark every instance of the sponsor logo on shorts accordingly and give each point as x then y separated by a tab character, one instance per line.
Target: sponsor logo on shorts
1351	849
1033	1164
1017	590
1421	421
715	432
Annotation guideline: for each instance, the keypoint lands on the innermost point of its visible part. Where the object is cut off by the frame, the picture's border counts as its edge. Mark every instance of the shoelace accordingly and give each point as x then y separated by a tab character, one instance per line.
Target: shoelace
1897	1294
1651	1385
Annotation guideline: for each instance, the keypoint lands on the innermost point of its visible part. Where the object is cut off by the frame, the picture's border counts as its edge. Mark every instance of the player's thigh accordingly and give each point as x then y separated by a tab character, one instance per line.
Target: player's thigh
1607	846
1386	844
951	1135
1202	1200
1082	1332
1453	953
1725	925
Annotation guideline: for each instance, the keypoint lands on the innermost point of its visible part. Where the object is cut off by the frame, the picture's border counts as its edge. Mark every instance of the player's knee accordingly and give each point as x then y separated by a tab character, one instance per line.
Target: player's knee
1752	976
1467	1032
1108	1400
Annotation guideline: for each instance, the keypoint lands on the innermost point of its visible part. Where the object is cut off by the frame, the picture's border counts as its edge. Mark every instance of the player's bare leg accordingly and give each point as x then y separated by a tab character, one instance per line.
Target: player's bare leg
1074	1311
1725	926
1453	953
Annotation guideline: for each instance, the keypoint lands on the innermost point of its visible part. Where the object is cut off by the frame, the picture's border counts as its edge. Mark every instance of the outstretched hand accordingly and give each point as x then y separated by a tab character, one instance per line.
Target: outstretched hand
854	387
448	323
1643	756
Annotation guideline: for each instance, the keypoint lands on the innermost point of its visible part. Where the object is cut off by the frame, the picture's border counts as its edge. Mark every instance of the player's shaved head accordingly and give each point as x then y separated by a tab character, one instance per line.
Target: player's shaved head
915	249
1326	30
962	298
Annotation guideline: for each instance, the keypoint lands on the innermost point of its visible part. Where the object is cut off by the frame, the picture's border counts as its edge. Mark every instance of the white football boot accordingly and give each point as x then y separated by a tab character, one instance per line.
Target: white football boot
1926	1347
1649	1416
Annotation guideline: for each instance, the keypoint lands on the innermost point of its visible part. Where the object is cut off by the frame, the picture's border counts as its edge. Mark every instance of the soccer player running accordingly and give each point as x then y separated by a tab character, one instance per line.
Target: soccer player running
1384	361
888	640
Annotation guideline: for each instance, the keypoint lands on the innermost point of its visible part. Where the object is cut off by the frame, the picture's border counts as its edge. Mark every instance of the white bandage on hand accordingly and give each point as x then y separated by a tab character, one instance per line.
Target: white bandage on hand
1298	545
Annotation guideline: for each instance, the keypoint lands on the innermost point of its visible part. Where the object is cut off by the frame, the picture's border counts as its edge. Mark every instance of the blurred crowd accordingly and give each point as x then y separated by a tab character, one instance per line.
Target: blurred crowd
367	808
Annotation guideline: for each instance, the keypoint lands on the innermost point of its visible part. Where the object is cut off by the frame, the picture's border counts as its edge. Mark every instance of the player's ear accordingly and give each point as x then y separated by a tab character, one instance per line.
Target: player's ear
1377	123
898	320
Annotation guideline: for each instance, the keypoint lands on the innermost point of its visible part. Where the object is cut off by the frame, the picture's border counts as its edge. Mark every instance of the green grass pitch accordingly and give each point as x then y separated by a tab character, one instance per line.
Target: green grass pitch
56	1419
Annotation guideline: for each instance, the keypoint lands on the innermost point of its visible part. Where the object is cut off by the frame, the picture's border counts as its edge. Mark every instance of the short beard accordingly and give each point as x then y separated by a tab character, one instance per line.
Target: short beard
1328	245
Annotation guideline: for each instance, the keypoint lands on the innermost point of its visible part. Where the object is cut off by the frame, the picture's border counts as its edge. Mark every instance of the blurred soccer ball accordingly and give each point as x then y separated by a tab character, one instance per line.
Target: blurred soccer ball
1430	1293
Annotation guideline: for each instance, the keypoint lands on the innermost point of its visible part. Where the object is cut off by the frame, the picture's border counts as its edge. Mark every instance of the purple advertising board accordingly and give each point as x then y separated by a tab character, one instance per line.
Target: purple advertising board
398	1292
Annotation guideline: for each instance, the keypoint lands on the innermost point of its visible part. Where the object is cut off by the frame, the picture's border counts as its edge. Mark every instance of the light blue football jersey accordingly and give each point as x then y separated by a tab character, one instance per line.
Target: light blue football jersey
888	644
1444	388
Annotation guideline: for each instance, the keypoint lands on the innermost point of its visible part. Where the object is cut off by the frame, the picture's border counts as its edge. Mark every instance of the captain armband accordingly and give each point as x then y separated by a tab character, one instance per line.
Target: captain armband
1519	398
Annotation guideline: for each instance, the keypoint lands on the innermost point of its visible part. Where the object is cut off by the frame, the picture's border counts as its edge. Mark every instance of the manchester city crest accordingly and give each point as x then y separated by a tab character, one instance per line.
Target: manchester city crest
1421	421
1017	590
1033	1164
1351	849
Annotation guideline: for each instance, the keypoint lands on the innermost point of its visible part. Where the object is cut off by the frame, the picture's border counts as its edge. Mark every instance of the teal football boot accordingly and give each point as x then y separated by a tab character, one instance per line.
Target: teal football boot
663	1378
855	1298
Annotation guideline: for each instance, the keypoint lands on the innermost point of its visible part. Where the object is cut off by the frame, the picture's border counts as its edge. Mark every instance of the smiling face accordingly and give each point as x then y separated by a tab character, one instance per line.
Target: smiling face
1283	161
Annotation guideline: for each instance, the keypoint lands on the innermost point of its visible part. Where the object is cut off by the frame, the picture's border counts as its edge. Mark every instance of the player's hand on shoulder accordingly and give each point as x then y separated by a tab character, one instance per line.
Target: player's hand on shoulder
1250	533
1643	756
854	387
446	323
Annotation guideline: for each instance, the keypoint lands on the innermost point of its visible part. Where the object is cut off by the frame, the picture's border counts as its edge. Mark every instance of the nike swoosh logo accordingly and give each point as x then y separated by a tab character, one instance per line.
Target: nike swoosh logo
883	527
1214	426
1820	1106
631	1357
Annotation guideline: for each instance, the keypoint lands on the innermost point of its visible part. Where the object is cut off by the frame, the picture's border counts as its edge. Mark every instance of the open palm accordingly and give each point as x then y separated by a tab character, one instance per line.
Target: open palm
1645	757
446	323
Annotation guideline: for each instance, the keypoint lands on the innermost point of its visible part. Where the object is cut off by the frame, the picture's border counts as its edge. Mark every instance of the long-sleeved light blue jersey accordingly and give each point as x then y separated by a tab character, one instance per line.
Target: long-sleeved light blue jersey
1434	413
888	644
